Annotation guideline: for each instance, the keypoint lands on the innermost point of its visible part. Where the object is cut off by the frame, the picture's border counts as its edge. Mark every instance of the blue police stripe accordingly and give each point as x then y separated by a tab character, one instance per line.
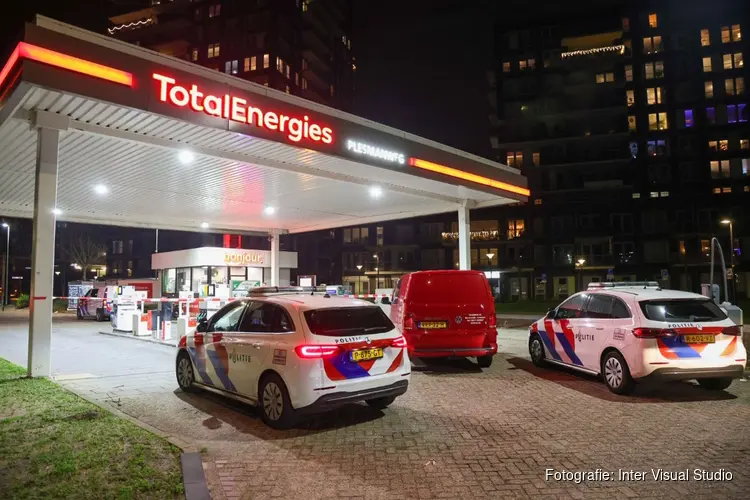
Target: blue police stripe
200	368
219	369
548	344
568	348
348	368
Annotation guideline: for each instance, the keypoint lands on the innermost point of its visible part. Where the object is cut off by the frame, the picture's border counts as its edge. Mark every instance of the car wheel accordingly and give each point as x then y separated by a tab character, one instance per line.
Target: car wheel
99	315
275	406
185	373
536	350
484	361
715	384
616	373
381	403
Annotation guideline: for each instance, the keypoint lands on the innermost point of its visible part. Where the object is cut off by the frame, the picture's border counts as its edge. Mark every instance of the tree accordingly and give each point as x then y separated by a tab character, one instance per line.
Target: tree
85	252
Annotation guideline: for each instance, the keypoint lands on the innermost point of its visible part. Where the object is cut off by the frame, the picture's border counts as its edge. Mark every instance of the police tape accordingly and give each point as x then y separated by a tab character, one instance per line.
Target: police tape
205	299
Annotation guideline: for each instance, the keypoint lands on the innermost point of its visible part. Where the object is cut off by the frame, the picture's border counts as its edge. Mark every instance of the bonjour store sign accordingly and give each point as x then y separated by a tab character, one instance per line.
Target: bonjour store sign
243	258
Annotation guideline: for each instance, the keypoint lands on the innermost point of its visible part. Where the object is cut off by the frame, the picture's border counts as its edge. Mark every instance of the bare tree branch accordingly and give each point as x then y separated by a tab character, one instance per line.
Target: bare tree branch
85	252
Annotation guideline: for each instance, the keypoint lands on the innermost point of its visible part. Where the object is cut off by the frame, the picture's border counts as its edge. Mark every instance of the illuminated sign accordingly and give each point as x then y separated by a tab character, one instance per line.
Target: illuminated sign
460	174
243	258
237	109
375	152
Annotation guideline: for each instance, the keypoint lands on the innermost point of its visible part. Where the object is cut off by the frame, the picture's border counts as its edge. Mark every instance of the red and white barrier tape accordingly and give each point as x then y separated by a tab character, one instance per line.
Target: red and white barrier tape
210	299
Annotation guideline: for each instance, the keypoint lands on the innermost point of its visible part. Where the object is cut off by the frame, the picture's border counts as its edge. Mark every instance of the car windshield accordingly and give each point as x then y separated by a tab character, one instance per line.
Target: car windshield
345	321
682	310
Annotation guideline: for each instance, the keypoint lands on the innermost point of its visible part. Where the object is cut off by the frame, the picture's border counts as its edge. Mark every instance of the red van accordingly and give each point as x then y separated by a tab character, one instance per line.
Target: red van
446	313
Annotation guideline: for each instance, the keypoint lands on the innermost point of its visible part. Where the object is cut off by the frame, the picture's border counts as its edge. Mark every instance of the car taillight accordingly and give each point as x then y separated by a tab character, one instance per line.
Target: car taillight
182	343
652	333
398	342
316	351
409	323
733	330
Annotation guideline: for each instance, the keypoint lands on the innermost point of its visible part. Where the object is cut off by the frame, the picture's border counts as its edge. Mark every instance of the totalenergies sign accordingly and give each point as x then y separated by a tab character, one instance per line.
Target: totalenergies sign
239	110
243	258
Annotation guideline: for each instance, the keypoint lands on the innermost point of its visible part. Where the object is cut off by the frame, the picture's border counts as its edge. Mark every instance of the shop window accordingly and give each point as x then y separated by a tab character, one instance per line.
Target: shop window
214	10
653	21
213	50
708	89
652	44
654	96
734	86
628	73
631	123
506	67
705	38
706	64
515	228
630	97
658	121
514	159
199	279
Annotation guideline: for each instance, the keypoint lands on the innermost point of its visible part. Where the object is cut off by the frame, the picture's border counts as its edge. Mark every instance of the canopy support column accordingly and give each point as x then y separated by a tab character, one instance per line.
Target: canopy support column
464	237
275	261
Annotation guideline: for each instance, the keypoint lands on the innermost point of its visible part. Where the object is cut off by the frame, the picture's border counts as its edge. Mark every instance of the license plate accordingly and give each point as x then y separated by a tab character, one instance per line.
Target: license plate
432	325
699	339
366	354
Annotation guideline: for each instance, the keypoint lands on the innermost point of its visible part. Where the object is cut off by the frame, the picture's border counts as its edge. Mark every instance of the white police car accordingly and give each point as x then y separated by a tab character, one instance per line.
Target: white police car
292	352
630	332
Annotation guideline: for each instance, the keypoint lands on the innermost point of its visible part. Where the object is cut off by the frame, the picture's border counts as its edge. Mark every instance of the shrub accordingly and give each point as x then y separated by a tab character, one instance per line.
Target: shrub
22	301
60	305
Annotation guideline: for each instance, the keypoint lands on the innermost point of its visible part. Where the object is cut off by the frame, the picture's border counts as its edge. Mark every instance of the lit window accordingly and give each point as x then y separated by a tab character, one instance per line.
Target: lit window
725	34
654	96
506	67
713	146
266	60
652	44
732	113
734	86
625	24
195	55
652	21
515	228
726	190
664	194
744	144
296	79
706	64
304	64
716	191
708	87
246	64
657	148
719	169
600	78
682	247
705	38
689	118
711	115
733	61
287	89
214	10
304	83
531	63
514	159
253	63
609	77
631	123
657	121
522	64
231	67
630	96
636	196
745	166
628	73
746	189
738	62
654	70
279	65
305	5
654	194
213	50
538	201
288	71
723	145
331	90
736	33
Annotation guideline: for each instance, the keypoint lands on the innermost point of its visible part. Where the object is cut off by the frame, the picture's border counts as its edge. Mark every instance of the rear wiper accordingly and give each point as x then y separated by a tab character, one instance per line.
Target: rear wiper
373	328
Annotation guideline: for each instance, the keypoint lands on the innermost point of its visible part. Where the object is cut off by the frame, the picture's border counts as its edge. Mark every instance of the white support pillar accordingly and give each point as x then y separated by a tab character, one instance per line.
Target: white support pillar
43	251
464	237
275	261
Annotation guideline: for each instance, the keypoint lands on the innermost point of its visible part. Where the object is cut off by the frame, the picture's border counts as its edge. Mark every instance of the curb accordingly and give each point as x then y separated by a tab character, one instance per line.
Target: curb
193	476
169	343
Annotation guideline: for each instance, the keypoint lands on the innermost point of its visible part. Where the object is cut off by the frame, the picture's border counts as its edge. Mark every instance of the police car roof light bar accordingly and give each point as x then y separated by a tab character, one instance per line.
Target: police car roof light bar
625	284
284	290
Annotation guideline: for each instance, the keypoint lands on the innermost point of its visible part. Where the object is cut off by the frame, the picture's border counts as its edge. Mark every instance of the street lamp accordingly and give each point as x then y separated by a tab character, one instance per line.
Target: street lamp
730	223
5	269
579	264
490	256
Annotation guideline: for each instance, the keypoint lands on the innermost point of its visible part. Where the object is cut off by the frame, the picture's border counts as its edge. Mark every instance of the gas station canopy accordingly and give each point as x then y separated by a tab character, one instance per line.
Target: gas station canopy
153	141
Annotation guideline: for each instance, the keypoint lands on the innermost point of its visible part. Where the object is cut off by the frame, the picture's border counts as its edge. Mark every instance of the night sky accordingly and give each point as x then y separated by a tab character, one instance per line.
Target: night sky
421	64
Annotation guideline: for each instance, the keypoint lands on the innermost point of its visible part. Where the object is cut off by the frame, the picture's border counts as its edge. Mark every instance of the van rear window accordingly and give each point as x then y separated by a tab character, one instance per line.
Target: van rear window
682	310
449	288
346	321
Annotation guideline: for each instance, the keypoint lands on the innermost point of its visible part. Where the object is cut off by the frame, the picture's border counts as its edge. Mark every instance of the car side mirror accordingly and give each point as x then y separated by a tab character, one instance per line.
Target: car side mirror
385	301
202	326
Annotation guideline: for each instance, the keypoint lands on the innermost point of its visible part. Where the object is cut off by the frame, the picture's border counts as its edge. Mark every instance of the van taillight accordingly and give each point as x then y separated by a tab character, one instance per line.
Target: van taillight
653	333
398	342
492	320
733	330
409	323
316	351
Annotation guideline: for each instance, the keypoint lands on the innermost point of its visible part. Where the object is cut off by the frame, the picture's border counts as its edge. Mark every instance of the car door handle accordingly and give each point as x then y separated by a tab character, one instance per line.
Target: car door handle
600	328
257	345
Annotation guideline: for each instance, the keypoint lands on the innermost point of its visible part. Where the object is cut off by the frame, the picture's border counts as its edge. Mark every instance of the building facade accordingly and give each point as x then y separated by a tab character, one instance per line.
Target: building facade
302	47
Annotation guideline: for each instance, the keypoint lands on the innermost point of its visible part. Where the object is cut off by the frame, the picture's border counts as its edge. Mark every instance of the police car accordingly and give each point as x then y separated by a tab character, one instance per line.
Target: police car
628	332
293	352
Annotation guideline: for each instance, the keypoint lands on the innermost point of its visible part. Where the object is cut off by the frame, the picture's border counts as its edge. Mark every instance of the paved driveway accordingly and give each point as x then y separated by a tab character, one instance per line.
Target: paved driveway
458	433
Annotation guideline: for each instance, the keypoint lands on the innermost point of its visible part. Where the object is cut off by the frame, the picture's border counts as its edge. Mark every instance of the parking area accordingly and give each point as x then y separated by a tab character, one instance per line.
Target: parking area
459	432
